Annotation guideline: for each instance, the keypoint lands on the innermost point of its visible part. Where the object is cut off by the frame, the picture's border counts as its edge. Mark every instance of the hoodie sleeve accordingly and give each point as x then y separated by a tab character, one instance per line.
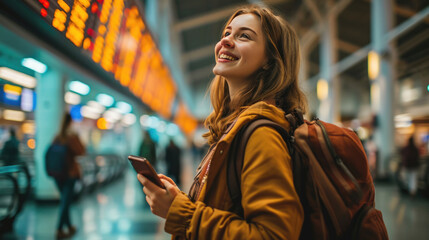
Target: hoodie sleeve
272	209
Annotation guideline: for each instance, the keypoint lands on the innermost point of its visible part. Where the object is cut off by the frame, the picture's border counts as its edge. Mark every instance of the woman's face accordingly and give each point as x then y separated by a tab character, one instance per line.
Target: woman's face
241	51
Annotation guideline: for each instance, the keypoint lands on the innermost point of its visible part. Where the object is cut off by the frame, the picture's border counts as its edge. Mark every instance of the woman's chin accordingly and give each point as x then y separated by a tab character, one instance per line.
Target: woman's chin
220	71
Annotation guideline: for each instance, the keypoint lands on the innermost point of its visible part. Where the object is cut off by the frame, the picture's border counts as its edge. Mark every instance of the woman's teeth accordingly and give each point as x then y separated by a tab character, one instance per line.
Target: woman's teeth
224	56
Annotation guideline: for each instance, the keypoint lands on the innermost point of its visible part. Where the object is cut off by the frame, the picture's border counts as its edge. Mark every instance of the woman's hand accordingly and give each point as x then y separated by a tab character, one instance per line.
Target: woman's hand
159	199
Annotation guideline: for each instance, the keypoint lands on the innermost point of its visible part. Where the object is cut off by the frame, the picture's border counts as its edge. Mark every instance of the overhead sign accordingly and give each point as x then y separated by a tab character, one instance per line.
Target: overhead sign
114	35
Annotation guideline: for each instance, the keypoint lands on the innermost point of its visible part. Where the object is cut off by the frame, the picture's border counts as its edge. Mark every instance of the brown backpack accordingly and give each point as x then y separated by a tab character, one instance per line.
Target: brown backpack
331	177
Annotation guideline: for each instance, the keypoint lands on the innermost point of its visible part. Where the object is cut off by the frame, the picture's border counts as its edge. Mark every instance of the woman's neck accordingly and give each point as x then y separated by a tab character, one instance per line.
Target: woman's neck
235	86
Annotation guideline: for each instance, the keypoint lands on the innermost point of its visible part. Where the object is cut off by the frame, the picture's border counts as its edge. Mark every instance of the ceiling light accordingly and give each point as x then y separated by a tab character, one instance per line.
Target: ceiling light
17	77
322	89
34	65
79	87
373	65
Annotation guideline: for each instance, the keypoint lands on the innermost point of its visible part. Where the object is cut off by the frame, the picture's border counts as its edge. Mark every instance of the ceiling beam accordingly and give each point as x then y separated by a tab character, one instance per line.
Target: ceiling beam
311	35
347	47
413	41
408	25
217	15
206	18
340	6
404	12
314	9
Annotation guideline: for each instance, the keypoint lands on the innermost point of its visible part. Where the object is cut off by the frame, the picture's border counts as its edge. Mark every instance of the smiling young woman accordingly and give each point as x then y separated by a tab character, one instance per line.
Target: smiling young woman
257	63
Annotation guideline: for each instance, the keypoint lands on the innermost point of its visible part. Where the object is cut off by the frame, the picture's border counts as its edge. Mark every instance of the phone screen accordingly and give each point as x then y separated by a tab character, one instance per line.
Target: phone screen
142	166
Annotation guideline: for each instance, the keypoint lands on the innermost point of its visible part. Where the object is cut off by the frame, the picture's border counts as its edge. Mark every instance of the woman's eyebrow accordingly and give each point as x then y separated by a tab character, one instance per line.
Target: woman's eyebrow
242	28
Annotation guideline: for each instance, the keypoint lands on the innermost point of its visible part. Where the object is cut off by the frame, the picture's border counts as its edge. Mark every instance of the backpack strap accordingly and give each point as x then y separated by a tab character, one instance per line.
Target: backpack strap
236	157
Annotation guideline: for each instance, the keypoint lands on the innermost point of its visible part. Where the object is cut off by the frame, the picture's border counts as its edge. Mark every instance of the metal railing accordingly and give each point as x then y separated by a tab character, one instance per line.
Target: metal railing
12	193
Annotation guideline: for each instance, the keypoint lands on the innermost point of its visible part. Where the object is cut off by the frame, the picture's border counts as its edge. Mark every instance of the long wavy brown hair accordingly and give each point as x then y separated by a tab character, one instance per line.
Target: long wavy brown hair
277	80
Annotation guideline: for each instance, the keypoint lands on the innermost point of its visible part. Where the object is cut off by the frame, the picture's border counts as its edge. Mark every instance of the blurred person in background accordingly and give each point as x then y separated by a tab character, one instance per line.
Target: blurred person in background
148	149
257	65
65	184
10	152
410	161
173	160
371	154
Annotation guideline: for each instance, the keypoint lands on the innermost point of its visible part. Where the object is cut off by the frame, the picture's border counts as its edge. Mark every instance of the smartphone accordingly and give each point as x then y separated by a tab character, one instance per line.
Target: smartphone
142	166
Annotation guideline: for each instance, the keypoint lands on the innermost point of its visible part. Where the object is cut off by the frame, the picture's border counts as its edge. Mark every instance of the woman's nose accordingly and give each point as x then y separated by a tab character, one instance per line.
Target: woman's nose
227	42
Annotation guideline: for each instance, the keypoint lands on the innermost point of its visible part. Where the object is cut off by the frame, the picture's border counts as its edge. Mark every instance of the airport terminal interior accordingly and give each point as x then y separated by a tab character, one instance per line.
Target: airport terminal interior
134	75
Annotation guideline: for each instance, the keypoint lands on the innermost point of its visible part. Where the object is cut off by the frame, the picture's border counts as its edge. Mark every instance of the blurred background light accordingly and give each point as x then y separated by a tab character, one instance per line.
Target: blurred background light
72	98
89	112
31	143
105	99
76	113
17	77
12	92
124	107
14	115
403	121
322	89
162	126
129	119
112	115
96	106
153	122
34	65
29	128
102	124
144	120
375	96
172	129
373	65
79	87
27	100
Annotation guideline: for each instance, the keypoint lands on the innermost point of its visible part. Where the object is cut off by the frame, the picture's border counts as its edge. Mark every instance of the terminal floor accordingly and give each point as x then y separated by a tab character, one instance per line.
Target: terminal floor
118	211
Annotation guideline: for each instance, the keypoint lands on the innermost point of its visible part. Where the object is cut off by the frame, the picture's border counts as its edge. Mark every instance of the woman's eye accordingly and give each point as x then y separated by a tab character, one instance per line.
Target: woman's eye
226	34
245	35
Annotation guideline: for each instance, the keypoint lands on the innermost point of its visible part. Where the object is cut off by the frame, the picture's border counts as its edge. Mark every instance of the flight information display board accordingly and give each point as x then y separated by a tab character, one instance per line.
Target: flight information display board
114	35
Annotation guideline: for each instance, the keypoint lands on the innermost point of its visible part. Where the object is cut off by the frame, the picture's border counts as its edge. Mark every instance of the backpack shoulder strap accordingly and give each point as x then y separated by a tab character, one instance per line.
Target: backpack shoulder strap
236	157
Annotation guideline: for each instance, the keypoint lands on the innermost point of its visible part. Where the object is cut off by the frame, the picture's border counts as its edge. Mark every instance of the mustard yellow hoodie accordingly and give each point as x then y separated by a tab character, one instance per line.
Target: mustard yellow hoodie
272	209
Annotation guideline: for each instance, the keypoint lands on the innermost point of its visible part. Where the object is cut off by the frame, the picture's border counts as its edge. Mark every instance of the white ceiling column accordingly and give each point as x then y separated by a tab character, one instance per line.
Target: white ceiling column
382	87
329	107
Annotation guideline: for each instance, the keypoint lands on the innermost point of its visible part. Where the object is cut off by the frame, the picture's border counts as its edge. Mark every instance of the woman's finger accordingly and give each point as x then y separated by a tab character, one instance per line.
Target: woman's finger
171	189
146	192
147	183
149	201
162	176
